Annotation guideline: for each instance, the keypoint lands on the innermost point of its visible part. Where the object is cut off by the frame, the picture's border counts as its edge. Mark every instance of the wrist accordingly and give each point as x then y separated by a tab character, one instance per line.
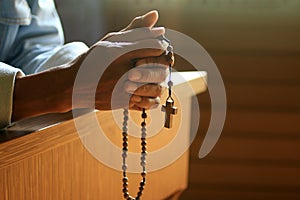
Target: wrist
46	92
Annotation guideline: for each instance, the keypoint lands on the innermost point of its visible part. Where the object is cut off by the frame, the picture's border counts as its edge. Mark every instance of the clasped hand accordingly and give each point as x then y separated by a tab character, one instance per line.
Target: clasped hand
133	79
52	90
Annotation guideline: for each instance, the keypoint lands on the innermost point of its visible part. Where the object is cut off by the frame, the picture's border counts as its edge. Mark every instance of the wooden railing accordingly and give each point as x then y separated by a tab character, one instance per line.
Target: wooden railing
44	157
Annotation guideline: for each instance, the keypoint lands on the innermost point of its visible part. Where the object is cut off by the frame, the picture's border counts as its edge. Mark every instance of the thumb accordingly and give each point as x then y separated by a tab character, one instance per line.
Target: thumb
147	20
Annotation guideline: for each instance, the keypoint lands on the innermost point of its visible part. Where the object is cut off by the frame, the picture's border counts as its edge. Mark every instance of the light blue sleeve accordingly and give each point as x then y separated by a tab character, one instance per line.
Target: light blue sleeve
37	43
31	40
7	80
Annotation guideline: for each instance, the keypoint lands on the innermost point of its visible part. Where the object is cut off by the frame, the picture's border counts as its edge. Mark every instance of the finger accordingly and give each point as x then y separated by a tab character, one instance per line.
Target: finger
135	107
135	98
147	20
145	48
161	61
137	34
148	74
130	51
146	90
146	103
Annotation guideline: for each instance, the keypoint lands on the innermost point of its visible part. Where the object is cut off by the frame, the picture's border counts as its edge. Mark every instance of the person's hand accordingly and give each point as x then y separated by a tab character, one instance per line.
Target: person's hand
145	21
51	91
141	87
144	82
137	88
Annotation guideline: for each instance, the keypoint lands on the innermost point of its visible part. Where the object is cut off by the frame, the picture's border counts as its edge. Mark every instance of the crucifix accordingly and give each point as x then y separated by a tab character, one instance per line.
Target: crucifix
170	110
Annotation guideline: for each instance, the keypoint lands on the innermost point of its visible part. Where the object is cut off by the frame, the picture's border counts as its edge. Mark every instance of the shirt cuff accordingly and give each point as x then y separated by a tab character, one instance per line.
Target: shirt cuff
8	75
63	55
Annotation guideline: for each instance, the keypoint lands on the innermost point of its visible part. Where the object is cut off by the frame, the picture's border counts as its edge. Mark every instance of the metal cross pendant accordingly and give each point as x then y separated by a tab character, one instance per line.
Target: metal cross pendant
170	110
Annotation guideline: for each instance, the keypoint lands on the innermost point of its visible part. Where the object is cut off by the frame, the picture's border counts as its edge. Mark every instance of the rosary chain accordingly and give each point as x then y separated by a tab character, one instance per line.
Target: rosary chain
126	194
170	83
170	57
143	155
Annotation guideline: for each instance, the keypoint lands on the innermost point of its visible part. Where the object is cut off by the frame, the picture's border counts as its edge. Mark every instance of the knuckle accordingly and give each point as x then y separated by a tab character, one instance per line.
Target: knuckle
151	75
129	87
157	44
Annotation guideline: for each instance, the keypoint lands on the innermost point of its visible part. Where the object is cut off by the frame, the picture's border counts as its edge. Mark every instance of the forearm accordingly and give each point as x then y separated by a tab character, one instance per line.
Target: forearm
46	92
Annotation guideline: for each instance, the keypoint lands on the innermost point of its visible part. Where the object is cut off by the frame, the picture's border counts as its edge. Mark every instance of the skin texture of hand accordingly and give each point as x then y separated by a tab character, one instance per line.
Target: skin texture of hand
145	80
129	82
51	91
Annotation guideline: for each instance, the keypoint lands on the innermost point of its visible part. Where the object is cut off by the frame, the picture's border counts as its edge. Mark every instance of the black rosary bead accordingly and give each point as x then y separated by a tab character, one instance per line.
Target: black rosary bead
139	193
144	115
125	185
141	188
142	183
125	145
143	124
143	174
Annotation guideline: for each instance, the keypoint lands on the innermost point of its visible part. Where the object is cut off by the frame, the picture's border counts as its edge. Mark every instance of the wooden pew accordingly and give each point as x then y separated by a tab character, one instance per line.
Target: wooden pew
44	157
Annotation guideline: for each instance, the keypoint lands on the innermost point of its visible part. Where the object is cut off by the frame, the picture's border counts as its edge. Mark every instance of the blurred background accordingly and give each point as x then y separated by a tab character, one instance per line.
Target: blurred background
256	46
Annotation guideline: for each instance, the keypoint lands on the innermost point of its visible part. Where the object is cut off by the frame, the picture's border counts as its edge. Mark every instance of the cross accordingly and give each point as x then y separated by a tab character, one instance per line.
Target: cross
170	110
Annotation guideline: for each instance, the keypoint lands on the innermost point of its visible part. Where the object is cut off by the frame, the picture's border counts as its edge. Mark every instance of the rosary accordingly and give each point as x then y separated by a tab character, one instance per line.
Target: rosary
169	110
